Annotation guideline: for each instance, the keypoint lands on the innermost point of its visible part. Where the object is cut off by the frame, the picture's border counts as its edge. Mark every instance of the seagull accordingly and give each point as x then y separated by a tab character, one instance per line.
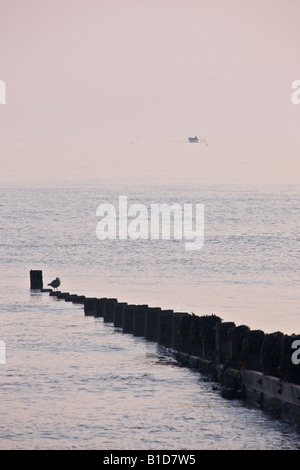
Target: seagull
55	284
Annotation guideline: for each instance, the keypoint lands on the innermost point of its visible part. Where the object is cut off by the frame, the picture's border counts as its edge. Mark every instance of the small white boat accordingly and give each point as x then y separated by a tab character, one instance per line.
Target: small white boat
193	139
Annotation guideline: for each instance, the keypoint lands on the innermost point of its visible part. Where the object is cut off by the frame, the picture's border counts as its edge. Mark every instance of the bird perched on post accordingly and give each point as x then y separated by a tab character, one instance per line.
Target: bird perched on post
55	284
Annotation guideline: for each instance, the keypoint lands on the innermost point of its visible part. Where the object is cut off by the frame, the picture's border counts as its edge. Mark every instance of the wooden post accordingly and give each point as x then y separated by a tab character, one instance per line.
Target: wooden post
110	306
139	320
236	336
165	328
128	318
151	323
177	316
90	306
36	279
118	317
222	342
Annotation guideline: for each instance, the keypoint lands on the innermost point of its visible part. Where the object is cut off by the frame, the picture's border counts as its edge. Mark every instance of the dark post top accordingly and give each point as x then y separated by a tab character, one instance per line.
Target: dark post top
36	279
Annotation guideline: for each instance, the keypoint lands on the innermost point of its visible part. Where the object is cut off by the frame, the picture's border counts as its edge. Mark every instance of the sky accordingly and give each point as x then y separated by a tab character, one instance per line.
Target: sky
113	88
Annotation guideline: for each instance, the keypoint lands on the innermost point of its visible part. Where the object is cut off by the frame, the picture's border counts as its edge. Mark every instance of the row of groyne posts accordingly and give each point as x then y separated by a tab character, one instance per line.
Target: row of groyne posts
246	364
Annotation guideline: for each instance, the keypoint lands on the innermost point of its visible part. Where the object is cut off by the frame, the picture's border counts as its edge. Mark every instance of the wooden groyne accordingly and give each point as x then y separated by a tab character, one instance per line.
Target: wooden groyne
246	364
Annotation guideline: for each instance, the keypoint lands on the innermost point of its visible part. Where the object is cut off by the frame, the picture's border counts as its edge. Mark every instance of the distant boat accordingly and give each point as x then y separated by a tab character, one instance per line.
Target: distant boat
193	139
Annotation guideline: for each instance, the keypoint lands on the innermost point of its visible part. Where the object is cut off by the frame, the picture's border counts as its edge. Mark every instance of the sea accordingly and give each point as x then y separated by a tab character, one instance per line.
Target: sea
72	382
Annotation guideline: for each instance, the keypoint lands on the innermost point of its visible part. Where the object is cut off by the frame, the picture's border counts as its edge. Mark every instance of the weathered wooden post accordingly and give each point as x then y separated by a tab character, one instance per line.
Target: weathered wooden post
118	316
151	323
36	279
183	334
63	295
139	320
99	308
109	308
222	342
128	318
165	328
71	298
77	299
177	316
207	336
90	306
271	352
251	350
54	293
236	336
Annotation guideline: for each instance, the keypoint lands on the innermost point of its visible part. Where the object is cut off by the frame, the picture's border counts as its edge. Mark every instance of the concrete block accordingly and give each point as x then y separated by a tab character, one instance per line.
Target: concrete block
266	384
282	398
290	393
290	413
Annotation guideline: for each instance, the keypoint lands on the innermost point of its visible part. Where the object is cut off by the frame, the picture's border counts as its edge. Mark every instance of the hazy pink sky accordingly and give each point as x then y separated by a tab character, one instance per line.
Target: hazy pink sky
102	88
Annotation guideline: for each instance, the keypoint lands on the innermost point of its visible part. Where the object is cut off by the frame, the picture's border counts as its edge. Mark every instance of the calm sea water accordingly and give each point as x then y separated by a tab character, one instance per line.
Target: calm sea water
73	382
